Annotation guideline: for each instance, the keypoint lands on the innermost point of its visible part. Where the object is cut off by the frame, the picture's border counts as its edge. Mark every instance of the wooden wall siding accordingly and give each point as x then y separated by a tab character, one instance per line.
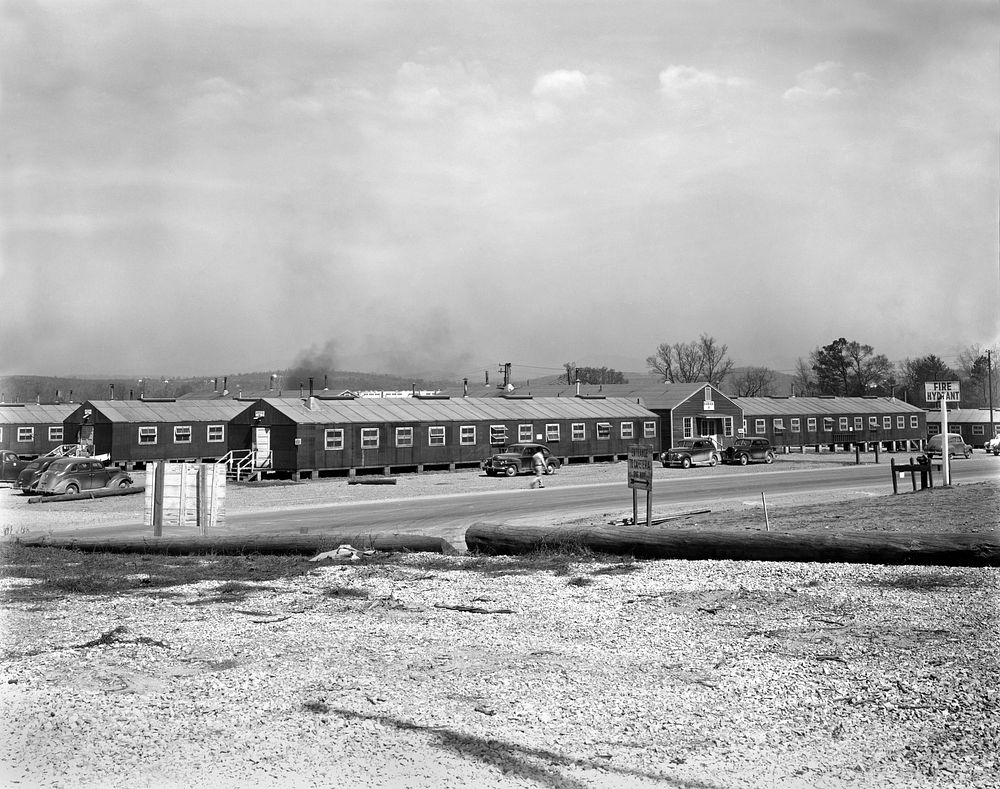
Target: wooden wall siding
311	454
39	444
787	437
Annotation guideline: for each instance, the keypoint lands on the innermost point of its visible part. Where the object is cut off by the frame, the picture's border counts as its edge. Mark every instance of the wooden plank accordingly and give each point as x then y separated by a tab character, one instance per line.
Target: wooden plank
948	549
311	544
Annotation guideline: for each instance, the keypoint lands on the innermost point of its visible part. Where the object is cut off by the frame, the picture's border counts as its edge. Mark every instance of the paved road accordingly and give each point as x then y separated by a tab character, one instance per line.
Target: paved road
449	516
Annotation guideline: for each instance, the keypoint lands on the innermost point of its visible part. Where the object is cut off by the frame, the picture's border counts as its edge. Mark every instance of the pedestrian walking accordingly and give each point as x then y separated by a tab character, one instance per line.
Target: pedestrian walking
538	466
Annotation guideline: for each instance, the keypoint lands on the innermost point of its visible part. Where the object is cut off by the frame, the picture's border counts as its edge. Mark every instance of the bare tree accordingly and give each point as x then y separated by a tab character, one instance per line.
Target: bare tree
803	380
754	382
688	362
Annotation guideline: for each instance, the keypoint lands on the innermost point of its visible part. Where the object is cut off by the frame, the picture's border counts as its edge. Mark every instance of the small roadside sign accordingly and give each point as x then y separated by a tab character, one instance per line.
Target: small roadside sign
936	391
640	467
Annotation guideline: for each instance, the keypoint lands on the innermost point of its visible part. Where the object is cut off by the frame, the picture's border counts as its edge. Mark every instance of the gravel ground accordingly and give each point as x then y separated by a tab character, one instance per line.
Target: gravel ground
544	671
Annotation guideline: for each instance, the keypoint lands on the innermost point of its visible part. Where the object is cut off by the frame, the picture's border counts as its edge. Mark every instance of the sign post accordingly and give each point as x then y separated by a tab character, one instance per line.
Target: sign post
944	392
640	477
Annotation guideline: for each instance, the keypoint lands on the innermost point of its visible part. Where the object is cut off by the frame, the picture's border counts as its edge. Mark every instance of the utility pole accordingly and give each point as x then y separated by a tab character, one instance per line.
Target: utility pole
989	375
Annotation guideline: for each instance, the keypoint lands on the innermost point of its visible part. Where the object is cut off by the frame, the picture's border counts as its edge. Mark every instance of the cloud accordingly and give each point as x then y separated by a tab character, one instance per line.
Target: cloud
679	81
827	80
561	85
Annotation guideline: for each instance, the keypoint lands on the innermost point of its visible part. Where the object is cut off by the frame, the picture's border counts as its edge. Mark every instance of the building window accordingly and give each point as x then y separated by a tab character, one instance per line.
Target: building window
628	430
979	430
953	428
552	432
843	423
467	435
933	429
333	439
743	429
216	433
828	424
404	436
578	431
688	427
873	423
859	423
759	426
525	432
779	423
727	426
147	434
914	421
369	438
498	434
796	424
603	431
900	422
811	424
182	434
56	433
887	423
1	435
435	436
649	429
25	434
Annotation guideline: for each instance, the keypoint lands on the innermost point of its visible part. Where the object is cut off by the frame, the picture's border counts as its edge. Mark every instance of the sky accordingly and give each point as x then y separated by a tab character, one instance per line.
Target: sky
437	186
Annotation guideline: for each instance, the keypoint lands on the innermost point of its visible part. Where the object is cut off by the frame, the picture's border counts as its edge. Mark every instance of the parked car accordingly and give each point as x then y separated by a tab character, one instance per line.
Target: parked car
993	445
10	466
28	479
75	474
956	446
745	450
691	452
516	459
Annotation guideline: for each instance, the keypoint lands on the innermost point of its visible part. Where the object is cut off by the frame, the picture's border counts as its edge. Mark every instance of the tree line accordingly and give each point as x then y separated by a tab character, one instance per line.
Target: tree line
845	368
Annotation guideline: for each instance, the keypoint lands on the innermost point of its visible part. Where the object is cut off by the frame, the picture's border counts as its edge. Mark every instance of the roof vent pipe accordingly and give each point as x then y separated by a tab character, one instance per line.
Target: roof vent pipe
310	386
465	387
577	387
326	384
112	386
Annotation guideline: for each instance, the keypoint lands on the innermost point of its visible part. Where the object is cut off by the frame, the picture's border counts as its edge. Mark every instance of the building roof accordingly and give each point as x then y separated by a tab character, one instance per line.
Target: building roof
654	395
832	406
965	415
34	413
369	410
167	410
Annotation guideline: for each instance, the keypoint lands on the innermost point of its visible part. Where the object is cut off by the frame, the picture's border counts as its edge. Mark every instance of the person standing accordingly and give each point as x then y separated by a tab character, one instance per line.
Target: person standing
538	466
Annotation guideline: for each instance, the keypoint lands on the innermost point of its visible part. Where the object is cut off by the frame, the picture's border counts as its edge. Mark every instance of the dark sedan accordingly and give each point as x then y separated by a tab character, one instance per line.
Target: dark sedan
746	450
10	466
27	480
516	459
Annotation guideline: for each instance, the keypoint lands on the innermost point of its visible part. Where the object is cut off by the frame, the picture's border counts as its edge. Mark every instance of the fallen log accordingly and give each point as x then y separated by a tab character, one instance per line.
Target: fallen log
372	481
939	548
99	493
229	544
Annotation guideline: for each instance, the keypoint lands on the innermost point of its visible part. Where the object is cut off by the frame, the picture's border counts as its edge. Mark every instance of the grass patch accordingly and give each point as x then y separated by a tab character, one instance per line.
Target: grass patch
61	571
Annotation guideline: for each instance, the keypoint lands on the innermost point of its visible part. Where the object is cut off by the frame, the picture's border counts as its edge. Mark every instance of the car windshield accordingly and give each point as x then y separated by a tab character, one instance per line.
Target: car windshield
742	442
685	444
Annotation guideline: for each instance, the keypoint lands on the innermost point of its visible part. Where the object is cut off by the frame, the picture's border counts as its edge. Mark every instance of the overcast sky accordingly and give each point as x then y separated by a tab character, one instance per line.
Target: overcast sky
198	187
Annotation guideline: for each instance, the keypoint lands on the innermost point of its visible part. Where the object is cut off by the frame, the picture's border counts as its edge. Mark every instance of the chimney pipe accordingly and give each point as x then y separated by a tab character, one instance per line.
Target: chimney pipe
465	387
310	386
326	384
112	391
577	387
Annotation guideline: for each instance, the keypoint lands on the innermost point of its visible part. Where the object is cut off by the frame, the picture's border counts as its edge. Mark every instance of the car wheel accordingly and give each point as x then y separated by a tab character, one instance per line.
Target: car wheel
550	468
769	458
685	462
124	483
510	471
714	461
72	489
744	460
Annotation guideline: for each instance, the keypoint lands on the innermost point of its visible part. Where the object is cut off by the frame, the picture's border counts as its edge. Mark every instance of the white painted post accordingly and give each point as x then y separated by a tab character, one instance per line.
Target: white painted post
945	461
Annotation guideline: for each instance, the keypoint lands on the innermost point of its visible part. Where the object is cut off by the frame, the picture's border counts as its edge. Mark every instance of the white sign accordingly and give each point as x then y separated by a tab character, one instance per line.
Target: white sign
936	391
640	466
